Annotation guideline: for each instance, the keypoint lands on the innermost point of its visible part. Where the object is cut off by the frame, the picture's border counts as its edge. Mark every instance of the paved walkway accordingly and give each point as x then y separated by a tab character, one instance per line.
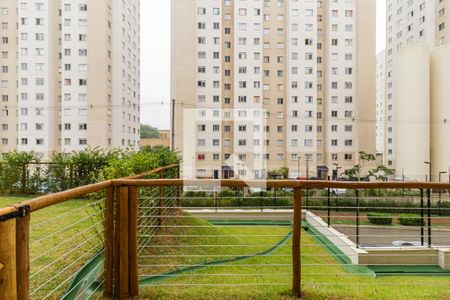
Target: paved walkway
382	235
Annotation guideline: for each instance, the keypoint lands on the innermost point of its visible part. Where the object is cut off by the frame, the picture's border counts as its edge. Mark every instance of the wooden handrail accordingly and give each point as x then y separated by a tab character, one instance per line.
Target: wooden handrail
56	198
281	184
53	199
8	210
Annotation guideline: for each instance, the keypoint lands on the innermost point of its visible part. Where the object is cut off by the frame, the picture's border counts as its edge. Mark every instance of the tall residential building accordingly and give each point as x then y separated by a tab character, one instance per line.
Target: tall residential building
289	83
381	93
8	73
423	112
409	23
70	75
442	22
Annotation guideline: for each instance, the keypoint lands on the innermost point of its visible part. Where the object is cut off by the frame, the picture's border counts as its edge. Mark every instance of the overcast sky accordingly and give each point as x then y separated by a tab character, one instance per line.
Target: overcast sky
155	58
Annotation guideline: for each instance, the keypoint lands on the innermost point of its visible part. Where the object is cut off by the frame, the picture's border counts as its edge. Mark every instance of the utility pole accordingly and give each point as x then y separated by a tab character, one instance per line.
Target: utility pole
172	145
403	180
440	192
429	164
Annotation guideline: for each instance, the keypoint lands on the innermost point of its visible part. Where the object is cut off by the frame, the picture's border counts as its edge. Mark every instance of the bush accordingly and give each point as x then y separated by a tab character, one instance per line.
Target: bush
379	219
410	220
25	173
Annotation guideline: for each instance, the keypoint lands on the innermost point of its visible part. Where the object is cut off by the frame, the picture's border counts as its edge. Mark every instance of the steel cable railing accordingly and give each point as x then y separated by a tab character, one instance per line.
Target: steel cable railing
60	246
158	235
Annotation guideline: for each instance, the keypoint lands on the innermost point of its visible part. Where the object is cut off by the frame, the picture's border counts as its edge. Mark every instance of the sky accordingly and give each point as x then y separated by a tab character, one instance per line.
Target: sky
155	59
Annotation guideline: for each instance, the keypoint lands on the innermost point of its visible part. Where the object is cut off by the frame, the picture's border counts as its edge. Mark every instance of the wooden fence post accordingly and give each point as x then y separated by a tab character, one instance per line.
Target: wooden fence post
116	244
123	244
23	253
178	190
296	258
109	243
133	246
161	201
121	255
8	279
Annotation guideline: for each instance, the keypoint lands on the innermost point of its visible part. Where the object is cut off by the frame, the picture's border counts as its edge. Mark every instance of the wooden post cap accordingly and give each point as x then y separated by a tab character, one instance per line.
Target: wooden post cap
1	266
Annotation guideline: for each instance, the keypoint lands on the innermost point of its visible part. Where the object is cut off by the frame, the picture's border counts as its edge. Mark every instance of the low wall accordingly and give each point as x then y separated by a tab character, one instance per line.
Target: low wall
380	255
399	256
444	258
339	239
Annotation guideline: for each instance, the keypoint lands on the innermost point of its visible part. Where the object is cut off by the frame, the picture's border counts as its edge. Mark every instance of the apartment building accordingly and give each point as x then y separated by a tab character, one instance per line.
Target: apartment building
381	93
409	23
423	112
261	85
70	75
8	73
442	22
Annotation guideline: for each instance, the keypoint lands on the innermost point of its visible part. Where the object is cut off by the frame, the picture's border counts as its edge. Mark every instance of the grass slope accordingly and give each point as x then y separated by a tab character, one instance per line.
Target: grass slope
323	277
62	239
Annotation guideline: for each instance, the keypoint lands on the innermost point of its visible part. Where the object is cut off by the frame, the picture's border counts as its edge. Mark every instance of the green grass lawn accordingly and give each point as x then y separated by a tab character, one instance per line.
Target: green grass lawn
63	238
269	277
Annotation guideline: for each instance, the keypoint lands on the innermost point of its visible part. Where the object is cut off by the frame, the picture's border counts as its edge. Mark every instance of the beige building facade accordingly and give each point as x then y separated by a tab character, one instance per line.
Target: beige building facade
261	85
423	112
73	76
409	23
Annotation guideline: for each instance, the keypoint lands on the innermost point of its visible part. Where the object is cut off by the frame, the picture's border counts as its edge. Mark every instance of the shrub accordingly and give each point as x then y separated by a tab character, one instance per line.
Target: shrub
410	220
379	219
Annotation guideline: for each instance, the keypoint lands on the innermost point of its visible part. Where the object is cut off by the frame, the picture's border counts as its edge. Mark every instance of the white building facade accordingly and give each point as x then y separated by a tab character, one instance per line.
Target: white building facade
77	75
381	93
409	23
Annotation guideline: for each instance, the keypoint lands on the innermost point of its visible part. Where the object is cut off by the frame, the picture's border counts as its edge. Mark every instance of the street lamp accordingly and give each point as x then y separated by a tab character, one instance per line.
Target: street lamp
440	195
298	166
429	164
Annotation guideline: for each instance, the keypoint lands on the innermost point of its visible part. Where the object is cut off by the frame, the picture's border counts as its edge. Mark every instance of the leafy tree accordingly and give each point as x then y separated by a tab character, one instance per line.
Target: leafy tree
381	173
132	163
280	173
354	174
149	132
15	174
24	172
364	157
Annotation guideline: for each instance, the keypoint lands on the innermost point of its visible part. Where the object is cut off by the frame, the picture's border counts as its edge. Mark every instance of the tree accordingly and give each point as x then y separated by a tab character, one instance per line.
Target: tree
149	132
354	174
280	173
381	173
364	157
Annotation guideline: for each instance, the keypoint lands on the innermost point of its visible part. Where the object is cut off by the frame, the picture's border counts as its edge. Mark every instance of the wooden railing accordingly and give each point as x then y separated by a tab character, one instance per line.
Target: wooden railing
15	230
121	219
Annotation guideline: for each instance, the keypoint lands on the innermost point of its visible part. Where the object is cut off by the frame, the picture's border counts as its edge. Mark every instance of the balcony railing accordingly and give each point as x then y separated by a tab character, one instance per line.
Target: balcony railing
140	234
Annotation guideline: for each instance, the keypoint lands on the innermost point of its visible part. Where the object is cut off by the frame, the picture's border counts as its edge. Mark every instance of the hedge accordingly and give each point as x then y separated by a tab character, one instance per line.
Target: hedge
410	220
379	218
